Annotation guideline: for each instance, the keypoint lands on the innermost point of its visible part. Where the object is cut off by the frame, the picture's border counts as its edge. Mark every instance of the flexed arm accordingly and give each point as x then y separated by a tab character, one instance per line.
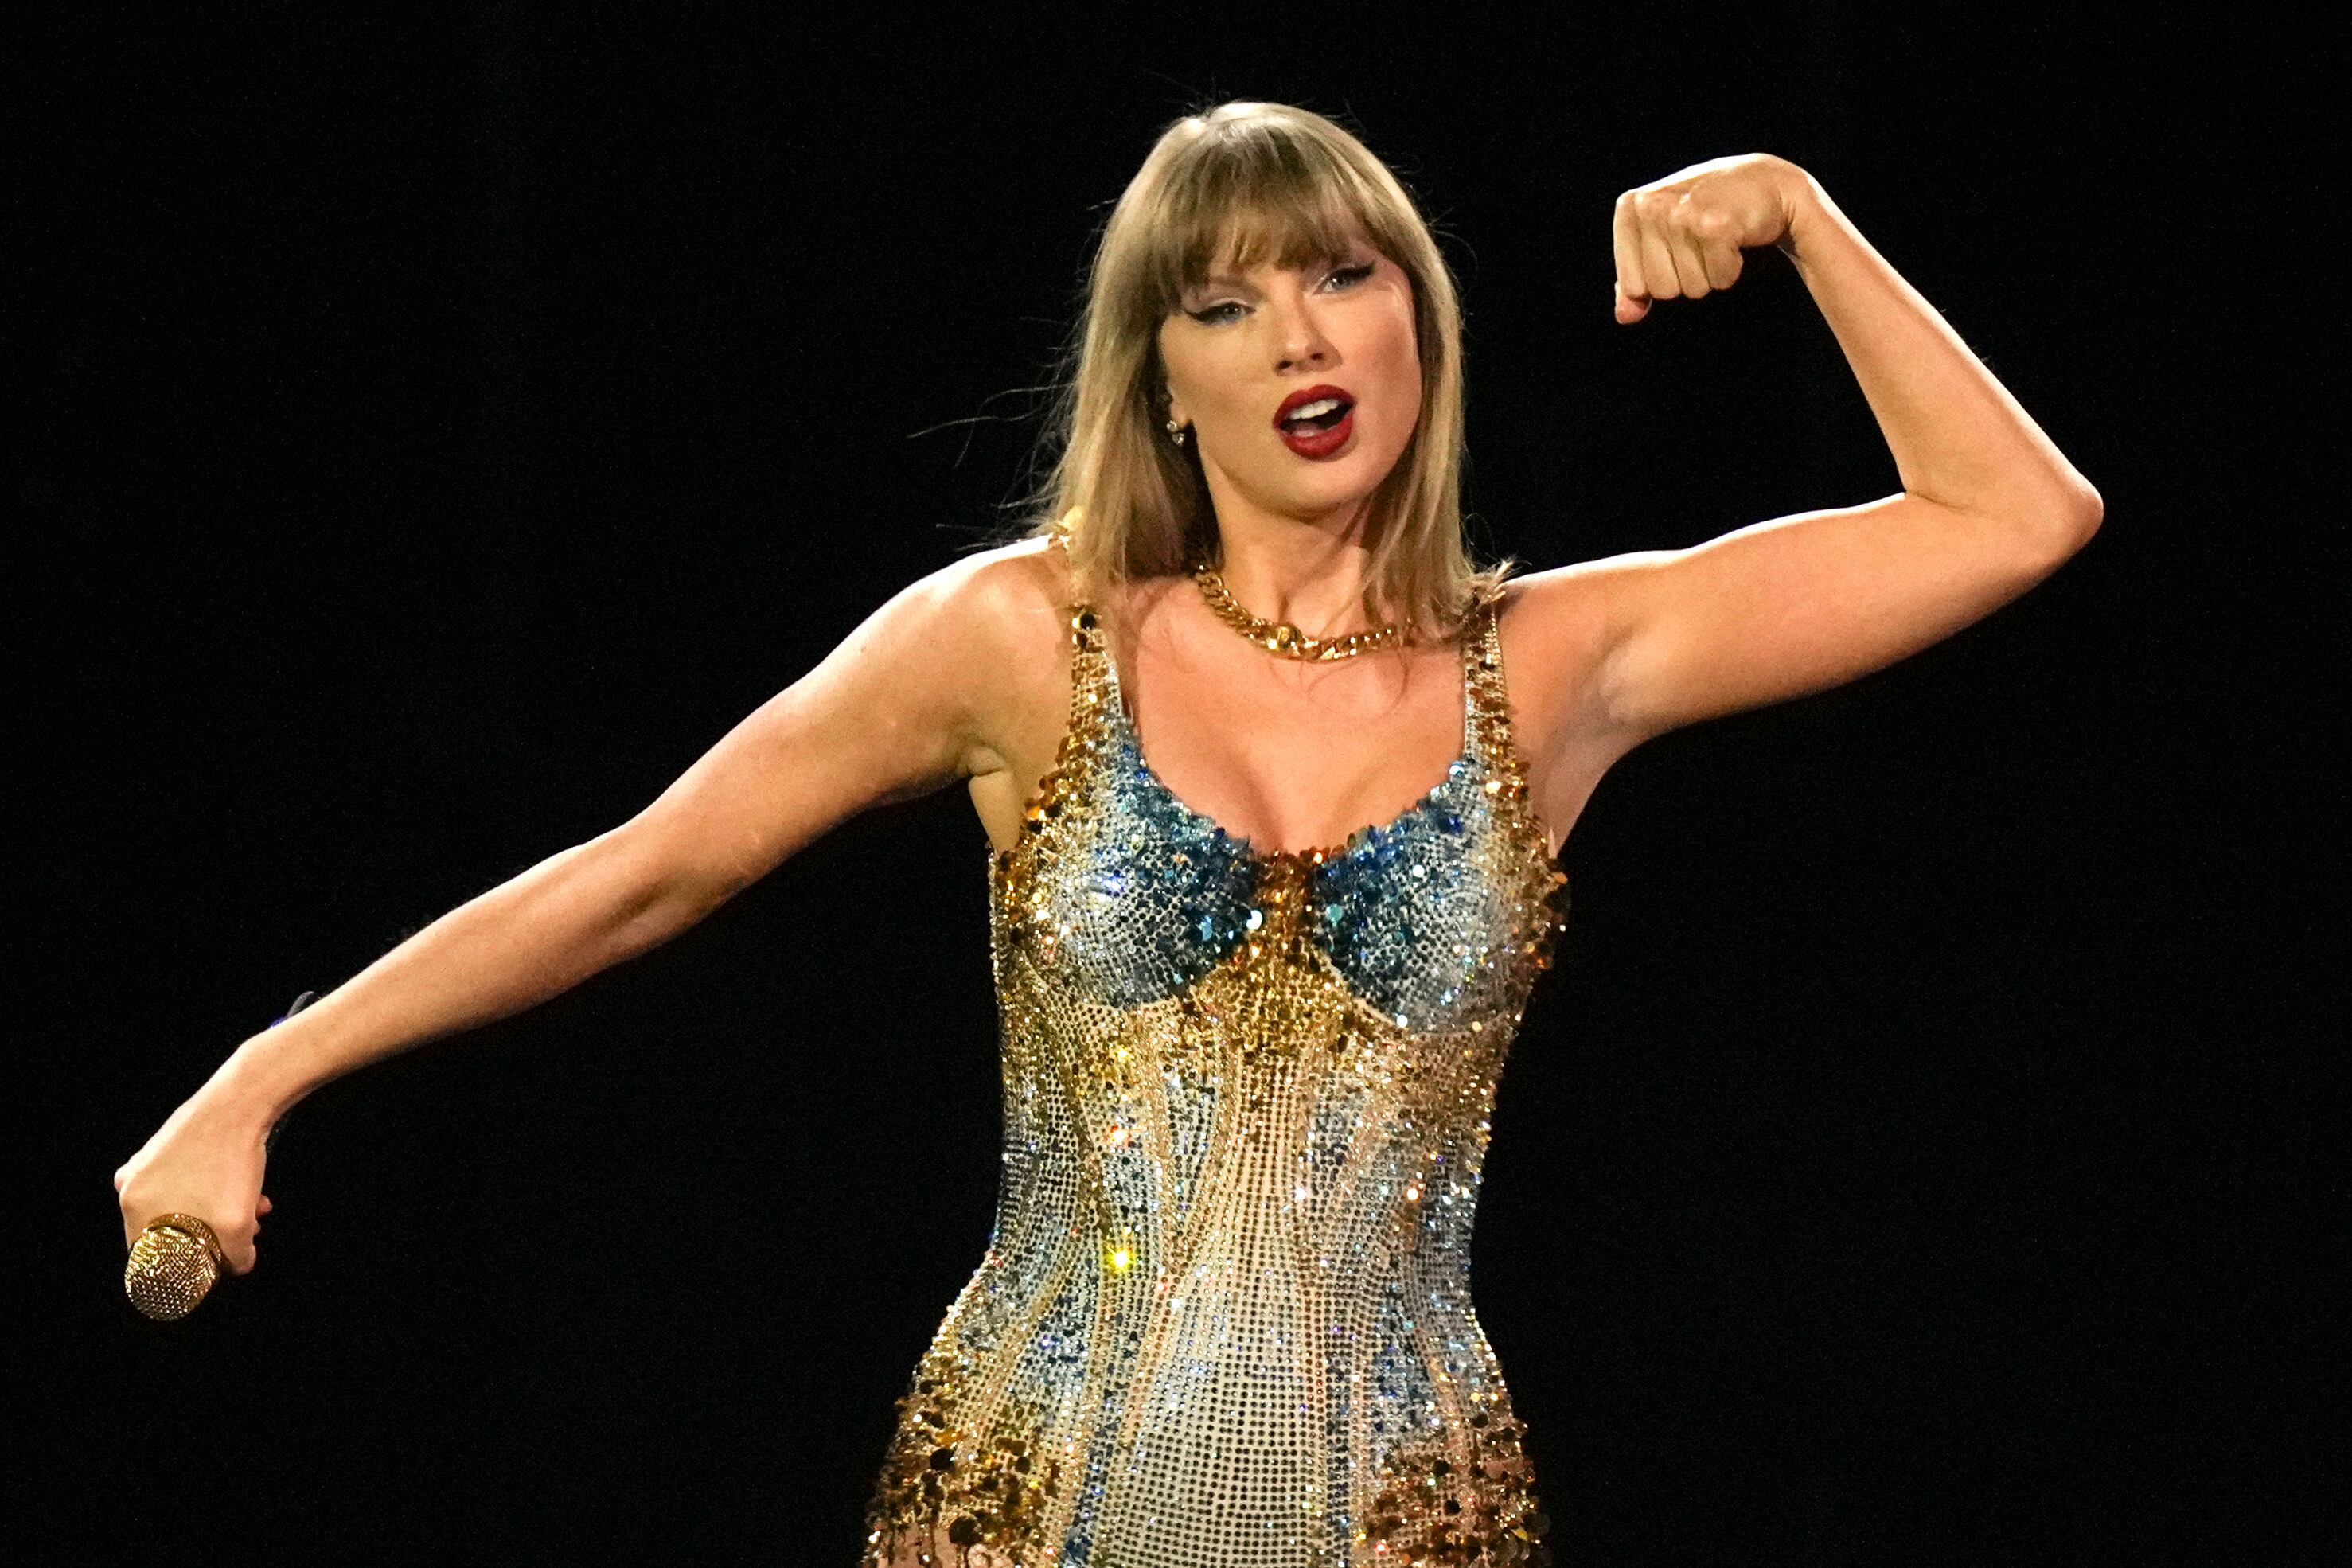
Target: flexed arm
1989	506
901	707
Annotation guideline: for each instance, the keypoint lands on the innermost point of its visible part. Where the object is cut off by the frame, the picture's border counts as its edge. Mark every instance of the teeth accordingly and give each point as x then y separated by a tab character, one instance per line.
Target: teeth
1315	409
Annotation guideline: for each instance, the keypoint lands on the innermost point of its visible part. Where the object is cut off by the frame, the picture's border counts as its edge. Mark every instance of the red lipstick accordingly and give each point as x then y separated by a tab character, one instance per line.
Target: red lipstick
1325	433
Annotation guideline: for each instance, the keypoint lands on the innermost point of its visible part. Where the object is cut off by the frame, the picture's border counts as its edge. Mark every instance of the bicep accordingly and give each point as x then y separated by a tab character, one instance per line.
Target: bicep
1800	604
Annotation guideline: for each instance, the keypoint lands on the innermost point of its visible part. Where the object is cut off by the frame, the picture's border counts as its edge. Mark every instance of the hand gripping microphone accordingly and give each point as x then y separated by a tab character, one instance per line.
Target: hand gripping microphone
177	1258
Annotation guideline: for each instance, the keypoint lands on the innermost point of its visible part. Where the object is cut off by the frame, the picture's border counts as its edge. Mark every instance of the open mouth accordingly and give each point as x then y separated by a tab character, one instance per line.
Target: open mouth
1315	421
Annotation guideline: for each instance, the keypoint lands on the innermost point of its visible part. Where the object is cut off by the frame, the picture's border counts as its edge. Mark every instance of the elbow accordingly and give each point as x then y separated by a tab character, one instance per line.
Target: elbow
2089	508
2064	524
2052	517
2088	512
643	891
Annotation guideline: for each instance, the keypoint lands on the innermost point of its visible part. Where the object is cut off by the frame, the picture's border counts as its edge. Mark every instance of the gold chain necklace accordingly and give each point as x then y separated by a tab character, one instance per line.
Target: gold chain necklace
1280	636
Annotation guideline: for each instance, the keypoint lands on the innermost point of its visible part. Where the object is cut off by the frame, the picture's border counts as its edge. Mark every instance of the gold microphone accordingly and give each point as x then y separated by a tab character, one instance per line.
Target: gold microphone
174	1262
177	1258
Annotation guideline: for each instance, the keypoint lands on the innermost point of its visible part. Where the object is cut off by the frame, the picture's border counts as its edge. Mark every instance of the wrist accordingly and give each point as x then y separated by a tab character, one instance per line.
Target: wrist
1805	203
256	1086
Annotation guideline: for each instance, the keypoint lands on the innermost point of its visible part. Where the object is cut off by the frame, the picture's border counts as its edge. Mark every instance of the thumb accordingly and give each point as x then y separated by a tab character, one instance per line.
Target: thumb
1630	308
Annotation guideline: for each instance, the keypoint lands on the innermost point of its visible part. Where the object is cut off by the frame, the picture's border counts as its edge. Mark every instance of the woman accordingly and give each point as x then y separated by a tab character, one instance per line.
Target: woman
1250	1043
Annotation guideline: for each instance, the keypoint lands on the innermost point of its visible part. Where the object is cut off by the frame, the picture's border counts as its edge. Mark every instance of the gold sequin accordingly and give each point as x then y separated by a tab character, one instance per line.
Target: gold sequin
1223	1319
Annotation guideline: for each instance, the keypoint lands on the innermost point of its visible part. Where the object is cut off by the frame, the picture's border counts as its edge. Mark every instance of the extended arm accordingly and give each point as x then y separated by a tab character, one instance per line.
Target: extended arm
1989	505
899	708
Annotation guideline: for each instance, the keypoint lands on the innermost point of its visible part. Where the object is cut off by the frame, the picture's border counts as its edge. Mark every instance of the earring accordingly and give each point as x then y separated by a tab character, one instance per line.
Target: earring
1176	432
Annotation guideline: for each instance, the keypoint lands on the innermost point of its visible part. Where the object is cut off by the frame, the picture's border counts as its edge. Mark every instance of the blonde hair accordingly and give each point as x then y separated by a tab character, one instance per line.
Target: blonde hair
1250	183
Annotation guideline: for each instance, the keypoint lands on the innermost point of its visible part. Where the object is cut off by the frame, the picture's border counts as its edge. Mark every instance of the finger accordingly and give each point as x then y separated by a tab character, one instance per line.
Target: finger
1657	259
1697	232
1723	264
1690	267
1716	235
1622	235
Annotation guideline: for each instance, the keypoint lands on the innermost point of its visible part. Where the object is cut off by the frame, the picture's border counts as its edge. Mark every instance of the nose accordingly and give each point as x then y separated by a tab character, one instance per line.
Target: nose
1299	342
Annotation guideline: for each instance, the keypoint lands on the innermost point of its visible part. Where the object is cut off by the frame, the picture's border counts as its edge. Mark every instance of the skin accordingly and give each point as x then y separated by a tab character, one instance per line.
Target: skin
1224	723
964	676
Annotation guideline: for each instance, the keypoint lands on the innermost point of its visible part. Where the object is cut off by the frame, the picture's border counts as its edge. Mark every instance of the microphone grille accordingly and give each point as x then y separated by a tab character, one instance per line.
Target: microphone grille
174	1264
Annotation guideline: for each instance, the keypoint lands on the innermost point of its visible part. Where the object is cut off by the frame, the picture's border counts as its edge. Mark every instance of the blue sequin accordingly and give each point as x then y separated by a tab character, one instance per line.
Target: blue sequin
1172	893
1224	1316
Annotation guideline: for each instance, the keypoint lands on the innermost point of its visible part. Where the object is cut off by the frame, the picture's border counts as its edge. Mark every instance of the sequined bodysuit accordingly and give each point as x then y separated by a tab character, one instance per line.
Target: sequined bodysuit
1225	1318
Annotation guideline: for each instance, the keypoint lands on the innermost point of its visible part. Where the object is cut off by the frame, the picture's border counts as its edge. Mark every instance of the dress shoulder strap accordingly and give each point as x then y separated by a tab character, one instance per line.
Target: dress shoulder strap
1090	649
1489	699
1093	683
1090	667
1081	749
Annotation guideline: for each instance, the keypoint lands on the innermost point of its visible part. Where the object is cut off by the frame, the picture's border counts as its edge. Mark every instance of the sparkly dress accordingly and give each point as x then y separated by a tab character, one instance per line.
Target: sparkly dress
1225	1318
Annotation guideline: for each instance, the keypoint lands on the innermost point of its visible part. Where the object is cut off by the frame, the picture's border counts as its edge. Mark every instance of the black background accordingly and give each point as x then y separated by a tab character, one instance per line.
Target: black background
439	428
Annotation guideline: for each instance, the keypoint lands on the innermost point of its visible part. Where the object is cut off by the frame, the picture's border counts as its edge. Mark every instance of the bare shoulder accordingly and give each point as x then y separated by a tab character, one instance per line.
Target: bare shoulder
1002	599
998	623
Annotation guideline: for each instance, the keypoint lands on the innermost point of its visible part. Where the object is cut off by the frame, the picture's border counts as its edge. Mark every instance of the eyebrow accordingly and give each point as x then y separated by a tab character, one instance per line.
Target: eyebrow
1235	281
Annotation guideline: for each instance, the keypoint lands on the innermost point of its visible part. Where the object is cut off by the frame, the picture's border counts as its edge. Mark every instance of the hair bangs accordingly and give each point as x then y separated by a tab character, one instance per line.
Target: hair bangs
1255	196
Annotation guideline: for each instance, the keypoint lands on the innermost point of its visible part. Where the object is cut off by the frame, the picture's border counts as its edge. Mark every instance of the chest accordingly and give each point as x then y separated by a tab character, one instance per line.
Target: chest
1128	894
1287	754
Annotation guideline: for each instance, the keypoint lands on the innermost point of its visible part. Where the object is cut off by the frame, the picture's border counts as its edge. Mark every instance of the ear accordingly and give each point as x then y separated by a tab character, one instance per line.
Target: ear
1174	407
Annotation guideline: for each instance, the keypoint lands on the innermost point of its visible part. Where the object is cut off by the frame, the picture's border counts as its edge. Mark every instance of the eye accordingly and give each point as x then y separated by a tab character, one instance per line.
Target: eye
1215	315
1348	277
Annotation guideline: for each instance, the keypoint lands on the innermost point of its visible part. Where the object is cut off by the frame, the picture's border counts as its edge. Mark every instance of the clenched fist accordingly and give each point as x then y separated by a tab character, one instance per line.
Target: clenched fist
1681	237
205	1160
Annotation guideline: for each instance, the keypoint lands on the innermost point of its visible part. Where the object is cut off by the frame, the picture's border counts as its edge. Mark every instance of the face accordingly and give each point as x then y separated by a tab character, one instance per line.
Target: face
1251	351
